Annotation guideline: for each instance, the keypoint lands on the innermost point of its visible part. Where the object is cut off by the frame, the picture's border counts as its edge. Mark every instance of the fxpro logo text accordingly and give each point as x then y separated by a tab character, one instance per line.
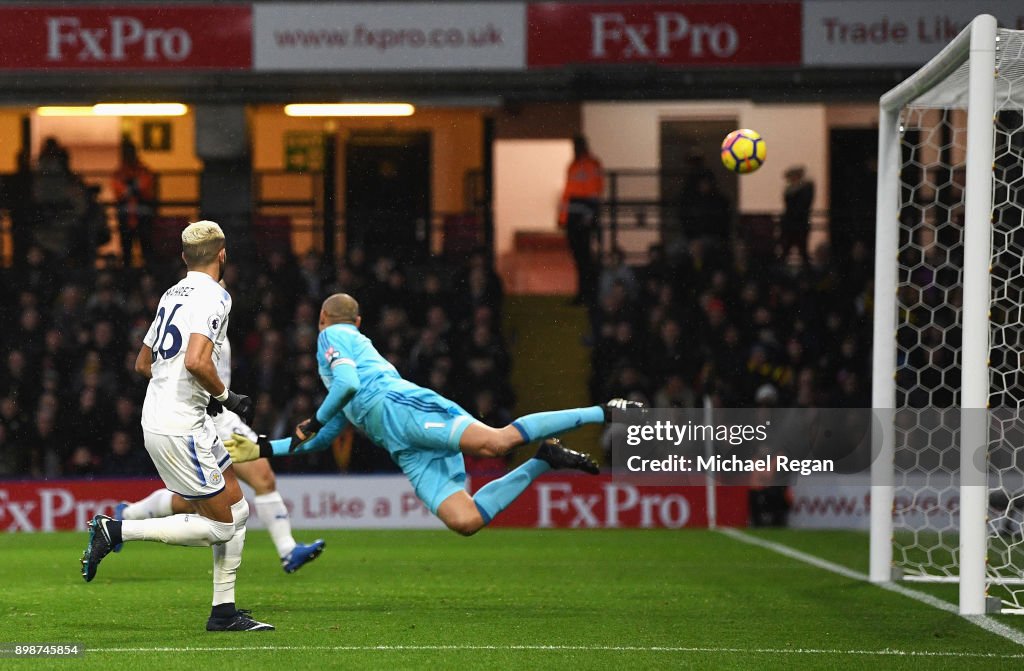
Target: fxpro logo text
122	37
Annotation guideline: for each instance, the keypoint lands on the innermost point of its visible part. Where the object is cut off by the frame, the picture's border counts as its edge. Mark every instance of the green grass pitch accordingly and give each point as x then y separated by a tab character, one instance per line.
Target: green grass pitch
505	599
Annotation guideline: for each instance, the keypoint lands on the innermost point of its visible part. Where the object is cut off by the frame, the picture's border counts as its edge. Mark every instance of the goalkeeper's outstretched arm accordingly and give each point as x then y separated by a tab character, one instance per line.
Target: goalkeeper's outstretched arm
243	449
323	439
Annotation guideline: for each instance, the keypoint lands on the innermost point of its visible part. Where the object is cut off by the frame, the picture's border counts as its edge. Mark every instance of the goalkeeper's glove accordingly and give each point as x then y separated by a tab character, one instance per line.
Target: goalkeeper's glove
239	404
304	433
243	449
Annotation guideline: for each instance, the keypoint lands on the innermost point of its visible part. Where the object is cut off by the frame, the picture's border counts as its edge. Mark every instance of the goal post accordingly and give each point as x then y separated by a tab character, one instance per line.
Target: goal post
975	322
883	389
940	144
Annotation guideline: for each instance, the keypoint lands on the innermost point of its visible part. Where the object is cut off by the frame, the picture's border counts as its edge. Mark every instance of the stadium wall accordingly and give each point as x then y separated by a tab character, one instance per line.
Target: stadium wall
528	180
796	135
582	502
844	502
388	502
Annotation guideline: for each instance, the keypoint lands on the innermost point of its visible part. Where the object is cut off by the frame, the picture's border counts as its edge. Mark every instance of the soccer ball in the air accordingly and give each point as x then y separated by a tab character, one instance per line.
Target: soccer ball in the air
743	151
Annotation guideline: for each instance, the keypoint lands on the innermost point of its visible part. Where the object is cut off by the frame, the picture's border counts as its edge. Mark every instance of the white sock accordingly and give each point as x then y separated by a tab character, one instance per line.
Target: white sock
157	504
272	512
194	530
228	556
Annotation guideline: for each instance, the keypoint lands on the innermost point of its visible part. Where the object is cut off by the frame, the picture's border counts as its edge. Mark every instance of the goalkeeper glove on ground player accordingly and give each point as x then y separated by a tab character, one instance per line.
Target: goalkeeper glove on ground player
243	449
240	404
304	433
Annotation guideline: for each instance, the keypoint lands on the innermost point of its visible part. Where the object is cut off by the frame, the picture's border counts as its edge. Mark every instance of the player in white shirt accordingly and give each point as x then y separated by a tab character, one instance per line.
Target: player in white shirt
257	474
178	356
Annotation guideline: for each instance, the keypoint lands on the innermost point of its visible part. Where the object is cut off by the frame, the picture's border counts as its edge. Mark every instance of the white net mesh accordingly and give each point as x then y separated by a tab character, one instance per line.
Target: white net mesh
1006	397
929	299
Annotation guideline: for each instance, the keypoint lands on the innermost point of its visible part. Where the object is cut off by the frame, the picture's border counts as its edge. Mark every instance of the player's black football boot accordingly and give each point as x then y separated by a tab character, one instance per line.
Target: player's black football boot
99	546
620	404
240	621
560	456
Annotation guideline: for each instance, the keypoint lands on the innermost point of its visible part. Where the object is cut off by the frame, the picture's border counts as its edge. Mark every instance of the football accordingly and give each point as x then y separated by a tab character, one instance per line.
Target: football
743	151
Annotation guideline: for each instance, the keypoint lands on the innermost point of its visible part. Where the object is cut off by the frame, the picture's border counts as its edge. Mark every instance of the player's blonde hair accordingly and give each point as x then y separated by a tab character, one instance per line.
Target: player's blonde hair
201	241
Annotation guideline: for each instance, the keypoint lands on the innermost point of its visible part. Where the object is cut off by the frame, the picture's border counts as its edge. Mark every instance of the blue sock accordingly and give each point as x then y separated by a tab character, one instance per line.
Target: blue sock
542	425
498	494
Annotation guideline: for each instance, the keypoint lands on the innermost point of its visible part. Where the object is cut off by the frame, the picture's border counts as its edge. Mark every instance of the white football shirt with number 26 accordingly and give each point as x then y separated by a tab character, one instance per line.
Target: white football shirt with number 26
175	402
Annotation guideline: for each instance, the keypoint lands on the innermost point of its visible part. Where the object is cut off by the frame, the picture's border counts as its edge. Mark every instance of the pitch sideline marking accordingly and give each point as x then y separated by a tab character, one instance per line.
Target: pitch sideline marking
984	621
886	652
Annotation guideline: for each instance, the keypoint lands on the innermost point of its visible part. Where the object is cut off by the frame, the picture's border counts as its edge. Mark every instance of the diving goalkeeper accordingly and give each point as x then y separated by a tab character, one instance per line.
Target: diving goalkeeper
424	432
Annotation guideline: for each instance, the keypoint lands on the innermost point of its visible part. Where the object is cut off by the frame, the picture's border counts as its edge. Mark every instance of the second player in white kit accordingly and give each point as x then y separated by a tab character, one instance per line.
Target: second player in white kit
270	507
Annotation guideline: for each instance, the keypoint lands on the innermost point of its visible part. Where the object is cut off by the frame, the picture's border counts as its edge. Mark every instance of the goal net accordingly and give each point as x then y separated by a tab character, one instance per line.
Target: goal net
948	490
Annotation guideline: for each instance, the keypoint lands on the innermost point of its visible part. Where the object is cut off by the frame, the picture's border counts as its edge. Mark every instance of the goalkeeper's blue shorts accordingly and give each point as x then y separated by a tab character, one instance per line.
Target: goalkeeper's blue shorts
421	429
434	476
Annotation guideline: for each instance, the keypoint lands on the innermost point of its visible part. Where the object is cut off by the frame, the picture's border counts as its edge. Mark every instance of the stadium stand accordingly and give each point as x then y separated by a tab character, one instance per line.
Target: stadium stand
740	328
70	401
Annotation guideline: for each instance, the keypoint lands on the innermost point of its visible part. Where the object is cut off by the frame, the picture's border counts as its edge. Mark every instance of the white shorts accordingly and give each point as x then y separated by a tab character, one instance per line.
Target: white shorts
191	465
228	422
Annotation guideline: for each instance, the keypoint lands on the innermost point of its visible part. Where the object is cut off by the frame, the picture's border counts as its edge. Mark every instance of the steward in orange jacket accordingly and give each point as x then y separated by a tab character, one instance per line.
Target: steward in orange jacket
581	201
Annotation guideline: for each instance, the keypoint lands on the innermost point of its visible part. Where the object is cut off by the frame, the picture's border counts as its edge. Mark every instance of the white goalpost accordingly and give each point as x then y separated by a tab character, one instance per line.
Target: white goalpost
947	495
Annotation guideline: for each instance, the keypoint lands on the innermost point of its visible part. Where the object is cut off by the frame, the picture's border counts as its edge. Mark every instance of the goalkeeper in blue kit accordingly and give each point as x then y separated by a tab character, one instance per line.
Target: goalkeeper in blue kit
425	433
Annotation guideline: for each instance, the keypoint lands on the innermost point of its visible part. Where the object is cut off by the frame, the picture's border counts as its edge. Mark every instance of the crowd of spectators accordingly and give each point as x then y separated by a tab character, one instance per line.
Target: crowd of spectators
70	400
713	320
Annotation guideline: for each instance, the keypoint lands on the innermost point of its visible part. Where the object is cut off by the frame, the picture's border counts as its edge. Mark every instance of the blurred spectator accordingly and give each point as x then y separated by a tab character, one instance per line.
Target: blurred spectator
284	271
134	187
91	419
476	285
38	278
425	353
615	271
68	314
126	416
769	503
796	218
17	380
12	454
17	198
124	458
705	213
311	274
105	304
45	443
82	462
59	198
93	230
12	417
675	393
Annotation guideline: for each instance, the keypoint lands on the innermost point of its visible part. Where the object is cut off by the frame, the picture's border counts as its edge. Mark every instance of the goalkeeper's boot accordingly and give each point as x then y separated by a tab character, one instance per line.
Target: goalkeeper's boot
240	621
621	404
99	546
559	456
301	555
119	516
